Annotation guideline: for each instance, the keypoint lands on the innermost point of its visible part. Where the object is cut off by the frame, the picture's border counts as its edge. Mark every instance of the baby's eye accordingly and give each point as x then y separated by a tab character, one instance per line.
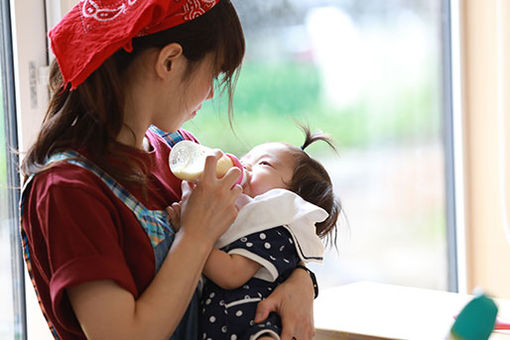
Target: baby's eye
265	163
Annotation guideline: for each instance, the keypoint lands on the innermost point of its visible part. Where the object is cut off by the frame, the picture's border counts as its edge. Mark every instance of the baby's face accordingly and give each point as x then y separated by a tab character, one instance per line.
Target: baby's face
267	166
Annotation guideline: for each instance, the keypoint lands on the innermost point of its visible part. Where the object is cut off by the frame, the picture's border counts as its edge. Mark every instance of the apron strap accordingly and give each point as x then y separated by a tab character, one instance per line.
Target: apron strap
171	138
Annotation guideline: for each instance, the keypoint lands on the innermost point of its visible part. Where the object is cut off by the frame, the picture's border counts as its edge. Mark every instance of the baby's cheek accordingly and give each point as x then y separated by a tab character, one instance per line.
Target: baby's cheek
261	187
254	188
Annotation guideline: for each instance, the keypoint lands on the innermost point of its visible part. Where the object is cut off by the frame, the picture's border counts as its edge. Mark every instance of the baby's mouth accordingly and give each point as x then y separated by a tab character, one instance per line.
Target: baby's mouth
246	184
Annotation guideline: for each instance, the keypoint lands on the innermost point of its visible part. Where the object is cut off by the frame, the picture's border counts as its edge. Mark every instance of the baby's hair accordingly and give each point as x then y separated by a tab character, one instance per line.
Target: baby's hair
312	182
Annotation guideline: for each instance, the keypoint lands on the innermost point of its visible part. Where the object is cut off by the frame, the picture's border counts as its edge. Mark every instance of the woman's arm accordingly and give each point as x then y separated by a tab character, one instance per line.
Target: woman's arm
225	270
293	301
108	311
229	271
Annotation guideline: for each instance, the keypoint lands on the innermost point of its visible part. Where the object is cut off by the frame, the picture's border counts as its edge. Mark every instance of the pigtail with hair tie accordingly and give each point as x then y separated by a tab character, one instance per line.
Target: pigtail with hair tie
312	182
314	137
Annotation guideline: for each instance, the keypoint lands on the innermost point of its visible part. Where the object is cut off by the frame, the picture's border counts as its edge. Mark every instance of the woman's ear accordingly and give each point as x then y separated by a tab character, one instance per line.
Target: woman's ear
167	60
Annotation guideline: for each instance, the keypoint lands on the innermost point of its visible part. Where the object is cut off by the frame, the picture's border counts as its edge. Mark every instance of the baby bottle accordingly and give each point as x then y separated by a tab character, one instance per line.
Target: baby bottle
187	161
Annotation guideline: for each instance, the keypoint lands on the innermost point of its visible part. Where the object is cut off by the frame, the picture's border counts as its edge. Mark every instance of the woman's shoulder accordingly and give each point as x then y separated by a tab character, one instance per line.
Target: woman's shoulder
65	178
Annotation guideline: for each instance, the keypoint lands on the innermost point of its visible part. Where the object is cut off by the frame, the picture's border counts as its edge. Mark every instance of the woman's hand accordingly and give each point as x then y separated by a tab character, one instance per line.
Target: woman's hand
208	208
293	301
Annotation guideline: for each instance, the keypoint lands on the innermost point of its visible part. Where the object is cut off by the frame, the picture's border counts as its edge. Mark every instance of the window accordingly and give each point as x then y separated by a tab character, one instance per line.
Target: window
369	73
12	313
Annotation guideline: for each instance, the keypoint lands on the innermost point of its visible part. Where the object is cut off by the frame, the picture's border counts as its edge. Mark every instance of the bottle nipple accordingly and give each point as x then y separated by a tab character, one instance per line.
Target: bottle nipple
237	163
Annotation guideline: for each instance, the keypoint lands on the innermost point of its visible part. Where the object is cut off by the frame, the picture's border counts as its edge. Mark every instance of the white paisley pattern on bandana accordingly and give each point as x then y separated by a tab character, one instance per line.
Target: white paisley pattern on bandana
91	9
195	8
191	9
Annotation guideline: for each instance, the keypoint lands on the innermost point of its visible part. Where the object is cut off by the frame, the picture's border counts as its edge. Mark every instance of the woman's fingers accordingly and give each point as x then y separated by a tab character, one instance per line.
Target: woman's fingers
209	172
209	207
293	301
265	307
290	324
231	176
187	189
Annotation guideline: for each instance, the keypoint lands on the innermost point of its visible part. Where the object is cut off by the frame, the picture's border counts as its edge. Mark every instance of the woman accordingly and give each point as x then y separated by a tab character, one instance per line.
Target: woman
104	260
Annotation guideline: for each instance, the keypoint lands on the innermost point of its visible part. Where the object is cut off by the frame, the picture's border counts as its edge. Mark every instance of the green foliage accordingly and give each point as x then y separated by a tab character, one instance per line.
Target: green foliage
277	88
270	97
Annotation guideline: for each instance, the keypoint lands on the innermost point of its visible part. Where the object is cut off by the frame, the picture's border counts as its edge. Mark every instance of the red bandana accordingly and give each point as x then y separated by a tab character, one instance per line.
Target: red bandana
95	29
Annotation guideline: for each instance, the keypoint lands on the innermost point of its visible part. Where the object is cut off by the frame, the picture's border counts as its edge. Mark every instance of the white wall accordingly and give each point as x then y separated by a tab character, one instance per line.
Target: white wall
486	55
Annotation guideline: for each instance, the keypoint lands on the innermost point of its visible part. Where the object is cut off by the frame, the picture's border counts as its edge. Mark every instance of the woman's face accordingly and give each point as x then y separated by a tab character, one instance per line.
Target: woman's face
189	92
267	166
199	87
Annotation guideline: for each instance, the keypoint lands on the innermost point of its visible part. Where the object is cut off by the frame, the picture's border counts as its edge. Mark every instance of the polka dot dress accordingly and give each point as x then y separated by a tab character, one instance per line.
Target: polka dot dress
229	314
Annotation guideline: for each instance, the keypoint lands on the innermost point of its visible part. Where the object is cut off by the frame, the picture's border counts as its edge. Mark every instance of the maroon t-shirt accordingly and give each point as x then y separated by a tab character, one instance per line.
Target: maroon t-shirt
79	231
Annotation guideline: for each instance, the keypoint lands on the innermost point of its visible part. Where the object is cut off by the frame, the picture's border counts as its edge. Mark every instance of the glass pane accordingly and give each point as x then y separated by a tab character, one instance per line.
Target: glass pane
12	313
368	73
6	293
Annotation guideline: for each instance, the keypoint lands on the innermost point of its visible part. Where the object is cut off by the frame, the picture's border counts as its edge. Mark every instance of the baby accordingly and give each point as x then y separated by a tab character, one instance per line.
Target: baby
288	204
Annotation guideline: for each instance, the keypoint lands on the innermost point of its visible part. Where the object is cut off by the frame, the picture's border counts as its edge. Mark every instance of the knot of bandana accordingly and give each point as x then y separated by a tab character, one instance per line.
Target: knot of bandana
93	30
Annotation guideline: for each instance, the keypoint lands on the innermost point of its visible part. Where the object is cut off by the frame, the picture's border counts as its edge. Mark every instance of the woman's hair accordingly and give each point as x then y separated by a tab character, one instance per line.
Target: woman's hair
90	117
312	182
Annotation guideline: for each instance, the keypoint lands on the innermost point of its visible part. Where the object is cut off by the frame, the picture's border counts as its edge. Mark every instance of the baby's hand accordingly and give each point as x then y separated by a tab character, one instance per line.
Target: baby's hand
174	215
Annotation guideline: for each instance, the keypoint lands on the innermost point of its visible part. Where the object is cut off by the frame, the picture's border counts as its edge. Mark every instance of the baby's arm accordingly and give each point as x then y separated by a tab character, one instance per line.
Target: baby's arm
229	271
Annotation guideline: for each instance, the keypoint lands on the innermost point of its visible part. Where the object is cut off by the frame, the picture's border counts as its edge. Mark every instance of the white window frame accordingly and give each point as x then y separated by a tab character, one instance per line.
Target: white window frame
484	63
17	303
30	72
458	146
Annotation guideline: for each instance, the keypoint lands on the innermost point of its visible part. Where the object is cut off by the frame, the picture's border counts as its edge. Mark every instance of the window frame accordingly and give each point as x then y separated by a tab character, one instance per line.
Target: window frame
450	144
13	179
457	150
26	22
